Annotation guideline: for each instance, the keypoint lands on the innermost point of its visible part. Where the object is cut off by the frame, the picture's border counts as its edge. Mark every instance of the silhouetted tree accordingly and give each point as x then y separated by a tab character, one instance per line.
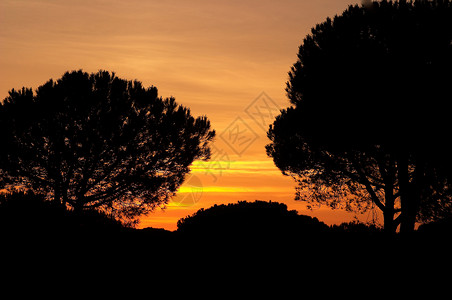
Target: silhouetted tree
247	220
370	122
95	141
356	228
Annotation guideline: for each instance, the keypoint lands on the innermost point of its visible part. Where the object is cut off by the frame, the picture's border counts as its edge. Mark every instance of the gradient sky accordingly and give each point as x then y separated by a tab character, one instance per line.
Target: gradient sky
225	59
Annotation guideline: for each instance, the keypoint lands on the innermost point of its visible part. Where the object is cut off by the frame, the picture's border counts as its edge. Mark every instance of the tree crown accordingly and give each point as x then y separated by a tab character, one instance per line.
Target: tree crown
370	108
101	142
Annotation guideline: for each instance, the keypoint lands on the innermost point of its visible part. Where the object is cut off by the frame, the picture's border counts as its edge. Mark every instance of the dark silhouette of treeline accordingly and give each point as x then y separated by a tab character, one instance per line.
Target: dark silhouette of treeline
260	241
27	216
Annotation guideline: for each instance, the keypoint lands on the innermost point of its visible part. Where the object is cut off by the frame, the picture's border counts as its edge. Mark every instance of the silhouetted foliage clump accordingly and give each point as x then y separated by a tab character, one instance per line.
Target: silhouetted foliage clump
27	211
369	120
437	229
356	231
356	227
99	142
249	220
29	214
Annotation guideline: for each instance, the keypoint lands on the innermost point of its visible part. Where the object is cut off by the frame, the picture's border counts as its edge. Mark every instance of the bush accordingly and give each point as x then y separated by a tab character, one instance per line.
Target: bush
249	220
25	212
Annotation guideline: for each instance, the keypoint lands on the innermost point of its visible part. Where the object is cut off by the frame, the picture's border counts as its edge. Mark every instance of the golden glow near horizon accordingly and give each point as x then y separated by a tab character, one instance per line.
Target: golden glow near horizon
227	60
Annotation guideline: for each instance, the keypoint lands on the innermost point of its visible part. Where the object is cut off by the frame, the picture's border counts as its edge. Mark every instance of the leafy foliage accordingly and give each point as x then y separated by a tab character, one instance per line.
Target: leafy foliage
249	219
369	120
95	141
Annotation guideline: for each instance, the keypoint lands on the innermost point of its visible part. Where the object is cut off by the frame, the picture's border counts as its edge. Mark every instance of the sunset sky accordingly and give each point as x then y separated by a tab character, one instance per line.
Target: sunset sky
227	60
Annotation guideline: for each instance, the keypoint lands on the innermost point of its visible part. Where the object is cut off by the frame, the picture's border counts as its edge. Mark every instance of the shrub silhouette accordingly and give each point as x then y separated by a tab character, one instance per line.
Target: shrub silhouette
29	214
27	211
439	230
249	220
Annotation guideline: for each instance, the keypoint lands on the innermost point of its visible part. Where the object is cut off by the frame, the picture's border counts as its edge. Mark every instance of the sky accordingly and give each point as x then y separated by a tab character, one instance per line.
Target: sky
228	60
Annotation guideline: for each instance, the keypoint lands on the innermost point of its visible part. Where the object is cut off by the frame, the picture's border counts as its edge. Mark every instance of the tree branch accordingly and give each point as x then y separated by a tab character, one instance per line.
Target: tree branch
398	220
368	186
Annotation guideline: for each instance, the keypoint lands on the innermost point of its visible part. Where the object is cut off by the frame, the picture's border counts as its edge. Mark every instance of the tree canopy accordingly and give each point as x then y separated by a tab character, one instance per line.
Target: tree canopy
245	220
95	141
370	122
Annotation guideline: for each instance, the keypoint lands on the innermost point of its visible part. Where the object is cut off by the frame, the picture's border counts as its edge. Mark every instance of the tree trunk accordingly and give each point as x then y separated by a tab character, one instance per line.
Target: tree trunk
410	195
56	194
388	174
77	207
406	223
388	212
415	190
64	198
388	219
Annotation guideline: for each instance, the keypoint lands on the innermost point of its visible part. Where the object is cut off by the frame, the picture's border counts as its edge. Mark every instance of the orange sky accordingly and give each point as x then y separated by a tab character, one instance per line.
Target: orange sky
224	59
